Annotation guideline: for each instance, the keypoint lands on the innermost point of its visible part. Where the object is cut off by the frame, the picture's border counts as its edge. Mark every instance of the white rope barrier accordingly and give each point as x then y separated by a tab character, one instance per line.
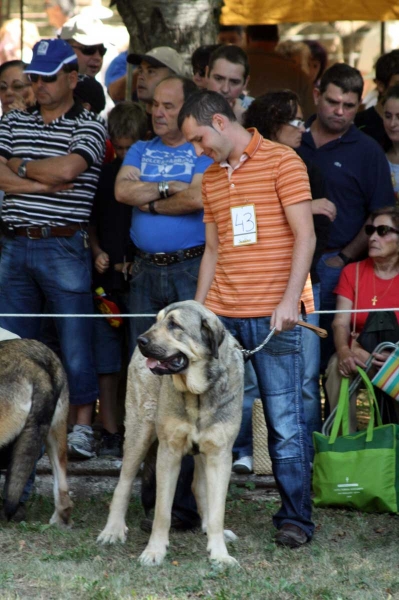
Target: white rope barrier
358	310
138	315
63	316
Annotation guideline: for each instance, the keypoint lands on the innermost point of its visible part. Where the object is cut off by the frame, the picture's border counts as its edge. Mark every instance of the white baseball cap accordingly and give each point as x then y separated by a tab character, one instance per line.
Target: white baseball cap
84	30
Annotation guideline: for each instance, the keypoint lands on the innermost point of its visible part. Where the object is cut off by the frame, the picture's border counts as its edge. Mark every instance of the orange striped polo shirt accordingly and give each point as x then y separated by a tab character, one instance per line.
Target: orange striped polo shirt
250	280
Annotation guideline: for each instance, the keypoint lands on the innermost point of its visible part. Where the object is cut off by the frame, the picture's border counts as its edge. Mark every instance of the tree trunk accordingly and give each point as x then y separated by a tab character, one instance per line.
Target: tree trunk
181	24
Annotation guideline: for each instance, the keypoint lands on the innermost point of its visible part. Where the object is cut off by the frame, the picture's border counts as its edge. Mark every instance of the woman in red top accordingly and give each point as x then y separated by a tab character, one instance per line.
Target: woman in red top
377	283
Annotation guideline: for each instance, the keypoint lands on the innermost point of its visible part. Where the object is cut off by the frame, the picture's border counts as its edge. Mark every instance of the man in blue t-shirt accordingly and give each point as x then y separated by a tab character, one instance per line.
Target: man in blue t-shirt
162	179
356	176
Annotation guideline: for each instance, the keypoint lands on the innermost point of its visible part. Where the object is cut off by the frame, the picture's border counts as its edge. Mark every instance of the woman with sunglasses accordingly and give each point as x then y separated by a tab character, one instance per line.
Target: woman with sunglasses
15	87
15	92
370	283
278	117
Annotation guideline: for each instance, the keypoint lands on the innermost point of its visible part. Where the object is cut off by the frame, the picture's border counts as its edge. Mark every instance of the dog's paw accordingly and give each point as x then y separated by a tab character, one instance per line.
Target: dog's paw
229	536
62	516
112	535
224	561
56	519
61	520
152	558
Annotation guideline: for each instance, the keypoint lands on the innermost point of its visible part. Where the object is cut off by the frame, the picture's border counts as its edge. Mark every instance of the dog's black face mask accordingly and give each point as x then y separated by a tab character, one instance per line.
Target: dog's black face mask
173	364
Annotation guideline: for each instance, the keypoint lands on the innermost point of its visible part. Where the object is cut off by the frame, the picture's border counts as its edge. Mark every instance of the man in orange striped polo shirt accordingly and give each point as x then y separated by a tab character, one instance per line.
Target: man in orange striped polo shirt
254	273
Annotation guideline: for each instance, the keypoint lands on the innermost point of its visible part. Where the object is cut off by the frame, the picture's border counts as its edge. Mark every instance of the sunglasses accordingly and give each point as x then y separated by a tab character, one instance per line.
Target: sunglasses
34	78
382	230
296	123
91	50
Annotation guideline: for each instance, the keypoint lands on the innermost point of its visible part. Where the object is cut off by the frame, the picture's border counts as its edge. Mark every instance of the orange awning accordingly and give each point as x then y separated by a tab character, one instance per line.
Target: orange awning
257	12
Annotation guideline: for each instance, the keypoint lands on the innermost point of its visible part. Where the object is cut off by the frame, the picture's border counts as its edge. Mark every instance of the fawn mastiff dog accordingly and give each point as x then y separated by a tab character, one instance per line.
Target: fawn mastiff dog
34	404
185	386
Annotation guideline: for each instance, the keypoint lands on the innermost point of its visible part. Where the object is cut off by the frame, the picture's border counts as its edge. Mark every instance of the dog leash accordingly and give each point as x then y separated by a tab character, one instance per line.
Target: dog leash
317	330
248	353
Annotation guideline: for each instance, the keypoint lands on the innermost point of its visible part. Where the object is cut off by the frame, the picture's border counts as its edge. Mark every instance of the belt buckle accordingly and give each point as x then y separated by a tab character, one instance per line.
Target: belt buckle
31	236
161	259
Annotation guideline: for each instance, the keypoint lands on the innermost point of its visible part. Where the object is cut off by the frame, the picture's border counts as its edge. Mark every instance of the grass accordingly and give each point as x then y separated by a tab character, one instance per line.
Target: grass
353	557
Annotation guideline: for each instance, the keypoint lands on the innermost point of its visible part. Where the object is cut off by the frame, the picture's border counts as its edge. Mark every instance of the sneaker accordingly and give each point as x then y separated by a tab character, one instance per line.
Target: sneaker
110	444
243	465
81	442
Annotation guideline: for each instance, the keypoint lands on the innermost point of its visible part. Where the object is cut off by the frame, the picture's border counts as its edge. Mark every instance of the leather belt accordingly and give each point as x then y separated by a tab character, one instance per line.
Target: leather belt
164	259
36	232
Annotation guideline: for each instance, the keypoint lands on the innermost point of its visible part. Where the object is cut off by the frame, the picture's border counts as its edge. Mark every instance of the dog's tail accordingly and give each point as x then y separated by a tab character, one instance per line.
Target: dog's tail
26	448
25	452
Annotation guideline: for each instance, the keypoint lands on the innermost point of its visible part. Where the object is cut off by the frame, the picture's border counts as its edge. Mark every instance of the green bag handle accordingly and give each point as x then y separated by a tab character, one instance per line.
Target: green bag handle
342	415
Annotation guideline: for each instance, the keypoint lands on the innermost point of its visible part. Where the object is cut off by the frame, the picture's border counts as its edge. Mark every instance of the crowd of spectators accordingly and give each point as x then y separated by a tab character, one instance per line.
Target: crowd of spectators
98	211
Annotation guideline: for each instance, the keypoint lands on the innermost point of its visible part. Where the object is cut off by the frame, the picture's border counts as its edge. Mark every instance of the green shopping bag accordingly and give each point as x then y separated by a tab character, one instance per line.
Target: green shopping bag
357	470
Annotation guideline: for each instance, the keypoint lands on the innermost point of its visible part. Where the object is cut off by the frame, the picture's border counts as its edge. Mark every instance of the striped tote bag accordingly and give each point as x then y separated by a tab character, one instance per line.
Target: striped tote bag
387	378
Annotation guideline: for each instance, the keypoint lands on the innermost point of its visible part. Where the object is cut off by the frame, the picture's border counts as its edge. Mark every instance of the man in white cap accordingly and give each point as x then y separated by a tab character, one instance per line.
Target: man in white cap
50	159
86	36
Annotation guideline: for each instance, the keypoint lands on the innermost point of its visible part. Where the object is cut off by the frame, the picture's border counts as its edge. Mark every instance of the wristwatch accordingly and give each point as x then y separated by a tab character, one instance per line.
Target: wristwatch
345	259
22	169
152	209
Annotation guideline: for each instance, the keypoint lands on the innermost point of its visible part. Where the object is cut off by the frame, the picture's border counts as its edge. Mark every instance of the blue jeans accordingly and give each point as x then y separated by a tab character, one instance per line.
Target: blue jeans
329	277
278	368
152	288
243	444
311	373
55	272
109	342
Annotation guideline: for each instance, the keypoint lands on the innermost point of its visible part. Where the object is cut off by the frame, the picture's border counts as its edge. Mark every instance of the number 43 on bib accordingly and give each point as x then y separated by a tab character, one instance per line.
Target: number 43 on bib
243	219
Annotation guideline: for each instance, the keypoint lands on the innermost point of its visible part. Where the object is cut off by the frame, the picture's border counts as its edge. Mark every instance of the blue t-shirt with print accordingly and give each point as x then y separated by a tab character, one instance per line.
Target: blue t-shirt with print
158	162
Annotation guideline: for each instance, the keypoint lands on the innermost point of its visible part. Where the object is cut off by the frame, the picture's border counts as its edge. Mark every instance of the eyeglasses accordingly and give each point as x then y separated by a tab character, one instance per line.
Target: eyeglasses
91	50
34	78
296	123
382	230
15	87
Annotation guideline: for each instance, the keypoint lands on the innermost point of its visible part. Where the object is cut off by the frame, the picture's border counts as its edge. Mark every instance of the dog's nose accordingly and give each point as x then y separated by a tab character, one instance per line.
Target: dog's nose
142	341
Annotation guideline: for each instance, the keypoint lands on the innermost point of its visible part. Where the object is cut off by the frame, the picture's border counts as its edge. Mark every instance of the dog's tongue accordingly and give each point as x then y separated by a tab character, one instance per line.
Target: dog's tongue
151	363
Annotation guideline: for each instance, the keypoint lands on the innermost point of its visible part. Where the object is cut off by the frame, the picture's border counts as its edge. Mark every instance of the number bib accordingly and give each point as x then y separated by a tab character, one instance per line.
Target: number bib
243	219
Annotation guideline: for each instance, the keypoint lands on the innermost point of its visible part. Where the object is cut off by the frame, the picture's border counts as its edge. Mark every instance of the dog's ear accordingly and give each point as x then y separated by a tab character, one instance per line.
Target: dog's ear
161	315
213	335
